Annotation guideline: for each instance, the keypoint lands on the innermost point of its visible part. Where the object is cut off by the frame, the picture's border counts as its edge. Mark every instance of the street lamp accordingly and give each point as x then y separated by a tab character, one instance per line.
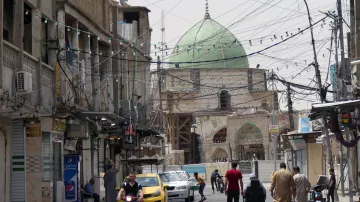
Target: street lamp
193	127
193	136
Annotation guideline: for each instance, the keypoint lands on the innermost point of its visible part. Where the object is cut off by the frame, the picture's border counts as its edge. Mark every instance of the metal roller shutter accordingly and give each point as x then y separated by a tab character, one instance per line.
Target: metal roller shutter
18	174
96	158
101	155
47	156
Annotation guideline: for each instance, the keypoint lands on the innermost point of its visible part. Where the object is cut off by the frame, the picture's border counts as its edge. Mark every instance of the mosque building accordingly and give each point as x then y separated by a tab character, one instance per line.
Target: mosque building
216	106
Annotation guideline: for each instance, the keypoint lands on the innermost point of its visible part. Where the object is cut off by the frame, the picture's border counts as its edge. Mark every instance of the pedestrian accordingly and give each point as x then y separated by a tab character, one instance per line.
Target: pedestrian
301	187
214	176
110	182
282	185
232	188
331	189
202	184
89	191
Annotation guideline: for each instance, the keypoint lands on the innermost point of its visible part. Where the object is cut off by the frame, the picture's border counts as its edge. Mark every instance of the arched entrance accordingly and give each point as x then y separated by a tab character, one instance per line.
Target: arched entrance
219	155
249	143
220	136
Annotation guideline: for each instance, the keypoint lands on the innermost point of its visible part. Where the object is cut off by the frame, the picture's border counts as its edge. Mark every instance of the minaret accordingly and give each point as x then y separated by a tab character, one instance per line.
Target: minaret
207	15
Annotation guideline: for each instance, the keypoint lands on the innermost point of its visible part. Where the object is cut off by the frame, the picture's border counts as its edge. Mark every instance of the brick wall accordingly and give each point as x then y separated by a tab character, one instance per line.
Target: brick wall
98	11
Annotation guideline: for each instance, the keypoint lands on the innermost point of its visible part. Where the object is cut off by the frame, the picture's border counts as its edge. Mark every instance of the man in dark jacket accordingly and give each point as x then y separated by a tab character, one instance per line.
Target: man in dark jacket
214	176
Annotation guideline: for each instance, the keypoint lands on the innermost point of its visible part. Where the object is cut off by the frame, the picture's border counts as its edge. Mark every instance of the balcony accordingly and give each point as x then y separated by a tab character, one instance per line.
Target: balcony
32	65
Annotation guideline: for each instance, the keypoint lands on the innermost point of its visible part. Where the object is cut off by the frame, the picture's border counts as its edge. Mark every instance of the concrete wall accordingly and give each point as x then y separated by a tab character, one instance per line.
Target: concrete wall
98	12
265	170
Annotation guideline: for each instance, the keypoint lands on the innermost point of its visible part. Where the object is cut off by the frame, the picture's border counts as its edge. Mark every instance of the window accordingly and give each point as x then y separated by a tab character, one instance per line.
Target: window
225	100
250	80
46	156
195	78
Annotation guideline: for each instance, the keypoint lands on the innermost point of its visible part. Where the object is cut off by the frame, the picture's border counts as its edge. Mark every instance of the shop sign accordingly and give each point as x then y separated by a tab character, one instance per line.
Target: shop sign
33	132
58	126
274	128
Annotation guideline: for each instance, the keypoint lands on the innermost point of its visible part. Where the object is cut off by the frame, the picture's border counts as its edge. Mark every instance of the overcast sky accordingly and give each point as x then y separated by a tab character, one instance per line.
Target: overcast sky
258	21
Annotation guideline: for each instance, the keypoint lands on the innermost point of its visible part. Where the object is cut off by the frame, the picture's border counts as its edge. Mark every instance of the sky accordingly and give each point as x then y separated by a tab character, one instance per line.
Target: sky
263	22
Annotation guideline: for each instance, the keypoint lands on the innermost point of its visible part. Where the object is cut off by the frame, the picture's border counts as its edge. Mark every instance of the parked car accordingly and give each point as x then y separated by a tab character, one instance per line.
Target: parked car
153	187
180	185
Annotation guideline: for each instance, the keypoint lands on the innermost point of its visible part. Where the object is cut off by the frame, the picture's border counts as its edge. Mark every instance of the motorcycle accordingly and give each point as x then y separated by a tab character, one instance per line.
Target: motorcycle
220	183
129	198
316	193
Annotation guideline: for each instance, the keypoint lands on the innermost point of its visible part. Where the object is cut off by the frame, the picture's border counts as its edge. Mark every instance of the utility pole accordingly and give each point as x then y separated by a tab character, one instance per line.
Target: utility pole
342	184
161	115
290	108
344	93
322	98
352	30
274	135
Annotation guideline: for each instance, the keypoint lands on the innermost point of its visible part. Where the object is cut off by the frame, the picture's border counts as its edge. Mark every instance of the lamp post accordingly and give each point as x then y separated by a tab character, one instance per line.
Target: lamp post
193	137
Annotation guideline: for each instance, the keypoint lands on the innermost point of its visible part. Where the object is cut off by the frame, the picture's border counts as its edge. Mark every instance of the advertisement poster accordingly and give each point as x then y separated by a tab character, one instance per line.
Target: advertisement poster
71	177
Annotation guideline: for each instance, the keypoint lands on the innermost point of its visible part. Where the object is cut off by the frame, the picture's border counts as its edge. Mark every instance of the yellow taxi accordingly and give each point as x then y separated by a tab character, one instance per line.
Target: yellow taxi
153	188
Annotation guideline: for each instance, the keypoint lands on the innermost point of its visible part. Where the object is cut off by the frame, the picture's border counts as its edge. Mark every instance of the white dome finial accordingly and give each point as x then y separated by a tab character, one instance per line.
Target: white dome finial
207	15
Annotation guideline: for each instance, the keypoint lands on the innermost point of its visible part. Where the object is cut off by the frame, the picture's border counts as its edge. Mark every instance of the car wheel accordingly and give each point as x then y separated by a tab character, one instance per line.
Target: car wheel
188	199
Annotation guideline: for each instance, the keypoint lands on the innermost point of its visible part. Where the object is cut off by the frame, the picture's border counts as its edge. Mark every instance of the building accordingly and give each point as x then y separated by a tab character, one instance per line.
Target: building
70	85
216	110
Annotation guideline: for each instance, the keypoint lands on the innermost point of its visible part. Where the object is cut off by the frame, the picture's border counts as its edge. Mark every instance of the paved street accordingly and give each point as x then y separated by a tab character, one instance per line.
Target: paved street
221	196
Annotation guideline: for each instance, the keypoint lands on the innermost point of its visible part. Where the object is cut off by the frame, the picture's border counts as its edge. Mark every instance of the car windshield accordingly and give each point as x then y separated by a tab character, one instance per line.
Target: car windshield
171	177
148	181
183	176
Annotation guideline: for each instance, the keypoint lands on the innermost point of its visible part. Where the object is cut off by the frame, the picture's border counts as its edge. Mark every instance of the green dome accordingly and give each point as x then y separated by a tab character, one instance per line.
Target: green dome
209	40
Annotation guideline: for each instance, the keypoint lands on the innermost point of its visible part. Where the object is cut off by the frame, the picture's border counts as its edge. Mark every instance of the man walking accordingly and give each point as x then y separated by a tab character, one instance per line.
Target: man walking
331	190
110	182
283	184
232	188
301	186
214	176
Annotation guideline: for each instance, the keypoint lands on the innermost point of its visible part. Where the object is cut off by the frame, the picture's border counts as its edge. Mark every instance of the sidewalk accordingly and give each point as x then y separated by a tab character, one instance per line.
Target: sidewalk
346	198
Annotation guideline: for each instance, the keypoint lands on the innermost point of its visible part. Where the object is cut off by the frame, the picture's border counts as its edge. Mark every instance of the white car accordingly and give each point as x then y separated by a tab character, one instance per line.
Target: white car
180	185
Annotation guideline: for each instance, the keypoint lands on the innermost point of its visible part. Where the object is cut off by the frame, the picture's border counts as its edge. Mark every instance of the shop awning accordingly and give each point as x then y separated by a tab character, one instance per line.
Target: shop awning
104	119
298	141
321	110
146	160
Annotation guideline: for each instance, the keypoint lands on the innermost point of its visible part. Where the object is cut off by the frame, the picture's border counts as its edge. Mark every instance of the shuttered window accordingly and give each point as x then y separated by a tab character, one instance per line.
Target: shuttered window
46	156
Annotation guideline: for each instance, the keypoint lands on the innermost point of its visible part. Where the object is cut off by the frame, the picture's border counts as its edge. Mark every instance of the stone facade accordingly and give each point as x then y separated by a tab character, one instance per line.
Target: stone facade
208	126
98	12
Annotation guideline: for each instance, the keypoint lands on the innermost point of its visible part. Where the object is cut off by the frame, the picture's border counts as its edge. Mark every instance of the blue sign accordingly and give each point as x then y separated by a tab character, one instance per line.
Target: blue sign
304	125
71	177
193	169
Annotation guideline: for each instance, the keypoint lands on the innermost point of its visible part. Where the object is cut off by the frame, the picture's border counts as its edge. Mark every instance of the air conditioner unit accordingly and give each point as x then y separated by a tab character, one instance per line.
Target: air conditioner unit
24	81
78	130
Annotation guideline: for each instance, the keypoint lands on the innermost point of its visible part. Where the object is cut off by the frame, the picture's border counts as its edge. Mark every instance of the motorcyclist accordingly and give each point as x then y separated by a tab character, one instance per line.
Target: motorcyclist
131	187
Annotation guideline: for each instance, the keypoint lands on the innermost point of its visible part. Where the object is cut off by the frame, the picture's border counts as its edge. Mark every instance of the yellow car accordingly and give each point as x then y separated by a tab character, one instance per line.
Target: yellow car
153	188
